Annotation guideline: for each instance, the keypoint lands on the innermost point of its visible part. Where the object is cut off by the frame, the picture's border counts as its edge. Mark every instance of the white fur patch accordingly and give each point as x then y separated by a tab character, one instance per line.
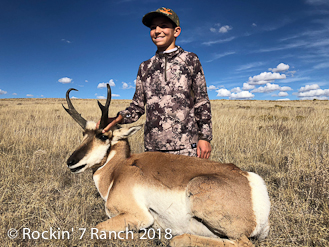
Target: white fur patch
170	209
97	177
90	125
261	205
111	155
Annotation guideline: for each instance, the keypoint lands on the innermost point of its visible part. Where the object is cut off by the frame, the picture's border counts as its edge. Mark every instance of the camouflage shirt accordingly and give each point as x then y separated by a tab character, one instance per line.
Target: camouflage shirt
172	89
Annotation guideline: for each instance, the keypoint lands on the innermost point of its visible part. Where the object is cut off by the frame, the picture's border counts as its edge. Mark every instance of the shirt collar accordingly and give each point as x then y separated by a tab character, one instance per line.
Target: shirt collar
170	53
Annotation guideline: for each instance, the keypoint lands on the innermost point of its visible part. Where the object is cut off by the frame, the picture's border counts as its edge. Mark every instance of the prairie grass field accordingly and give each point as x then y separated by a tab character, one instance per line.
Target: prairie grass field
286	143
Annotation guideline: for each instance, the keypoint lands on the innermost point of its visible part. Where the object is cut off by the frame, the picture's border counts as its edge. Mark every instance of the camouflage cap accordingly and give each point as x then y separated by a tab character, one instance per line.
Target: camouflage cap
169	13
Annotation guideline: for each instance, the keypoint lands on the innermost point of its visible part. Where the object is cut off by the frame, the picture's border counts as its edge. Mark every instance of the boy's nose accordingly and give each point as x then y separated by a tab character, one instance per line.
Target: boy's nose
158	29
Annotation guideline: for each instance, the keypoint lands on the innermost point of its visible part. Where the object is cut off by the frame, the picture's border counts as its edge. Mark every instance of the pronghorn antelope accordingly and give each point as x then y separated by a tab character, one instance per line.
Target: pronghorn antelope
204	203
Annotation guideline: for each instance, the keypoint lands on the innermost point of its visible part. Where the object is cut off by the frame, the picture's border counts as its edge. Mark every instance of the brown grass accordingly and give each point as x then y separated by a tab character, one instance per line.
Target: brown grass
286	143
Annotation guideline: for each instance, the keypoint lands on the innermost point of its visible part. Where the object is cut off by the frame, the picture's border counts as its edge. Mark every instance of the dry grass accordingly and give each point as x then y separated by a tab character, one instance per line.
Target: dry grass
286	143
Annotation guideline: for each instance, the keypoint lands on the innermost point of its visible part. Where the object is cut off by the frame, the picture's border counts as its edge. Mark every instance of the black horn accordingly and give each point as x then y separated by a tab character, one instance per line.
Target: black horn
105	109
72	111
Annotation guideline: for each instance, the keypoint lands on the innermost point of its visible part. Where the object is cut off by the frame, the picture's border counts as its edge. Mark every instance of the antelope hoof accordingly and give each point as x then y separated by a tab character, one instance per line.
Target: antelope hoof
101	226
180	241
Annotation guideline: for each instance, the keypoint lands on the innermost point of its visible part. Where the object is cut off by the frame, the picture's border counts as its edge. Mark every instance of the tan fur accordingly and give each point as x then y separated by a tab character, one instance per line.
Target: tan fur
200	199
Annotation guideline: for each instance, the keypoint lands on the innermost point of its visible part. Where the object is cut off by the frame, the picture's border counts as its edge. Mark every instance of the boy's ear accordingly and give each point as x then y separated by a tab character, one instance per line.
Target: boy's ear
177	31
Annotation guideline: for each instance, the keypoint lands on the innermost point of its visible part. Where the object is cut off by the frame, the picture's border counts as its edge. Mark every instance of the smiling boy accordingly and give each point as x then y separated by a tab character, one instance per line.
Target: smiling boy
172	88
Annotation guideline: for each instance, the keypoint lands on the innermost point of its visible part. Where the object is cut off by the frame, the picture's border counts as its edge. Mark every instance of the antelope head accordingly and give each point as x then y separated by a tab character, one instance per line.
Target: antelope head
95	145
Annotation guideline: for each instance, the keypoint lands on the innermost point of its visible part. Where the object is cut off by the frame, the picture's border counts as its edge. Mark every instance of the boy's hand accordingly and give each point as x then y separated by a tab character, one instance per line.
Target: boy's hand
113	122
203	149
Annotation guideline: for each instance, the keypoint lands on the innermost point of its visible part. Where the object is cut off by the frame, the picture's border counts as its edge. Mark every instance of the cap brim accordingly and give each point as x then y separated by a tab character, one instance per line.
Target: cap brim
147	19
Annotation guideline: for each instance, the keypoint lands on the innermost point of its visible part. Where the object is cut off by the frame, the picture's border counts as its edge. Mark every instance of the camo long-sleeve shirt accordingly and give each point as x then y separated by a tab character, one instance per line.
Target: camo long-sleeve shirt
172	89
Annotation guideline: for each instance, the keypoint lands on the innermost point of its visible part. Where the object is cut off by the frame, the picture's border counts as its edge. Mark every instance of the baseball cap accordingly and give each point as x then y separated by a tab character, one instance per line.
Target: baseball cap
169	13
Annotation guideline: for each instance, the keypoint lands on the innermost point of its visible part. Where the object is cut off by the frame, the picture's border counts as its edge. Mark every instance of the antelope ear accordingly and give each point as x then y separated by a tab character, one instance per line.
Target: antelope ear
125	133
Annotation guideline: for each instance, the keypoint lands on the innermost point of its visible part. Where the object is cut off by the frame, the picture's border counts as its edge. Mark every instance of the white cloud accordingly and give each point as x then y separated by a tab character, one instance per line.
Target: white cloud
111	82
281	67
267	89
115	95
249	66
314	97
65	80
297	44
223	93
281	94
66	41
284	89
314	93
265	77
283	99
212	87
321	66
126	86
294	79
29	95
317	2
86	80
218	41
236	90
242	95
101	97
3	92
219	29
308	88
247	87
254	25
235	93
103	84
225	29
292	72
13	93
217	56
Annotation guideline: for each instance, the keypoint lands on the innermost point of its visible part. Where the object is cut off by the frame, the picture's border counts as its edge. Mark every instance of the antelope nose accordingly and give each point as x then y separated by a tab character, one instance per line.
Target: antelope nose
70	162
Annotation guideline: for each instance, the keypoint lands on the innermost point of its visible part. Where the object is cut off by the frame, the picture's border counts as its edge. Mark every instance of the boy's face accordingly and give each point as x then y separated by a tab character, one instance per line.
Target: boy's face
163	33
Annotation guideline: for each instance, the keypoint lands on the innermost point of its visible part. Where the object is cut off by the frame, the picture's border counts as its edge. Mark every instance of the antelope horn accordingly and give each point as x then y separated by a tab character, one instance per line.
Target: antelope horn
73	112
105	109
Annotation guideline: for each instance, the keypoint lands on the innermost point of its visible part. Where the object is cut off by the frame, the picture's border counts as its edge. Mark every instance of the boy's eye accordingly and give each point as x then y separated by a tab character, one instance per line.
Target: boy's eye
161	26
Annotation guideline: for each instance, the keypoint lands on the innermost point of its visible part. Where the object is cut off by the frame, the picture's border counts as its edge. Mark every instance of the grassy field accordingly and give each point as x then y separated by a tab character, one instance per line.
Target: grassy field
284	142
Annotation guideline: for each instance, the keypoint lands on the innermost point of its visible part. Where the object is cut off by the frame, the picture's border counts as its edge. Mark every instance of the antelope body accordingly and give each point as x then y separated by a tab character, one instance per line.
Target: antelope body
204	203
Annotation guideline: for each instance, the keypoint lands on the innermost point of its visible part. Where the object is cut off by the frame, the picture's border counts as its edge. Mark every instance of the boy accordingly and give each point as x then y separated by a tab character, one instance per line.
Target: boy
172	87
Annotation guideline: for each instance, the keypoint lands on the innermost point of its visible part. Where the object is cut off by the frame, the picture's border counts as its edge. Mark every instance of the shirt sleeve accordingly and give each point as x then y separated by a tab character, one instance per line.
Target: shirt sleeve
202	109
137	107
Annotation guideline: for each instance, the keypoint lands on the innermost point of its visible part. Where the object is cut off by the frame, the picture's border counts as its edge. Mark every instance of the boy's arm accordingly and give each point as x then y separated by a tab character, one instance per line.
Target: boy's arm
137	107
202	103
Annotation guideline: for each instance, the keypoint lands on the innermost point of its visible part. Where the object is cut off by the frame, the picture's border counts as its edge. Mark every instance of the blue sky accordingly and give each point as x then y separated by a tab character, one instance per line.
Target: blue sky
256	49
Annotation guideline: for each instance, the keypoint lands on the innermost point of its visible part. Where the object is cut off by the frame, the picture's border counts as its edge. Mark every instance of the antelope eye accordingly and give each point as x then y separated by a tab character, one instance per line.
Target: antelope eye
103	137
